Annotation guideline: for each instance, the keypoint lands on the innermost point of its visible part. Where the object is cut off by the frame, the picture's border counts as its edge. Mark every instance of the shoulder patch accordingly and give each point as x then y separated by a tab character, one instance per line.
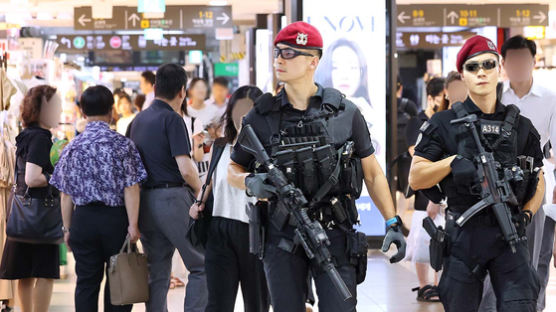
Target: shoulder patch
419	138
424	126
427	128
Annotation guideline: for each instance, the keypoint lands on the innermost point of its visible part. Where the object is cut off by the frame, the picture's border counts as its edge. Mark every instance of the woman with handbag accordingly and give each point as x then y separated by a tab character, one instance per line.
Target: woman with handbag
227	248
99	171
35	265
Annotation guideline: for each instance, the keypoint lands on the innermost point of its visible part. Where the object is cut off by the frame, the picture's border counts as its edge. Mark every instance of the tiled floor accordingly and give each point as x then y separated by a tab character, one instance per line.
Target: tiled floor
386	289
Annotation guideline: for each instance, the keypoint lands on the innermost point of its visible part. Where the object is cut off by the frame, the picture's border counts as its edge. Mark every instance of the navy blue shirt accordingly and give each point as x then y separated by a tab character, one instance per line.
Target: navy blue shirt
160	135
348	125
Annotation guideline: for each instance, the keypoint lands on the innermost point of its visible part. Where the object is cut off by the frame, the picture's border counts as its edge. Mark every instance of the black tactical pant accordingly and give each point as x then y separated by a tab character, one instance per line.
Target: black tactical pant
286	274
477	248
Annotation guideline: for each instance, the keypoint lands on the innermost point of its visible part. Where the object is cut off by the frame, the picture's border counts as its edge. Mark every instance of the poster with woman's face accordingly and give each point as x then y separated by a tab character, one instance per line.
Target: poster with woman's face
354	54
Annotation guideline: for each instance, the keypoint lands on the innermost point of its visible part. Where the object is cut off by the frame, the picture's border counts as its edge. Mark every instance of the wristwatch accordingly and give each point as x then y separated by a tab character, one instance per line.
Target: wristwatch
65	230
395	221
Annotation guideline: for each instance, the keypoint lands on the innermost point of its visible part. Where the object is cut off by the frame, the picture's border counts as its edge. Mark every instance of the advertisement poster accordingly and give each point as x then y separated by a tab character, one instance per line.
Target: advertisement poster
353	62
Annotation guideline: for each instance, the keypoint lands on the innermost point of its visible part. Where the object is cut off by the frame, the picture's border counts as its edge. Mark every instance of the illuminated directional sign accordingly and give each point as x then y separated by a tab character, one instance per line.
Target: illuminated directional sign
75	43
175	17
500	15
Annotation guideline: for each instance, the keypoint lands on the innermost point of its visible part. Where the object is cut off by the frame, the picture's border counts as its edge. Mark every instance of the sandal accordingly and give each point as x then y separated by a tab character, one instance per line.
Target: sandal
427	294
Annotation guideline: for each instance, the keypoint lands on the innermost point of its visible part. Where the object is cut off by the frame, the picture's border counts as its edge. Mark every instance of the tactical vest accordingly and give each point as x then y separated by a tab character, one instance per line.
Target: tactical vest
499	138
329	176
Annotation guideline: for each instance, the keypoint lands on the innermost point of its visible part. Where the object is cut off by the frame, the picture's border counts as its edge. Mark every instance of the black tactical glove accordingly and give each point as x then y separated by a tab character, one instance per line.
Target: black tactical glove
257	187
394	236
521	221
464	171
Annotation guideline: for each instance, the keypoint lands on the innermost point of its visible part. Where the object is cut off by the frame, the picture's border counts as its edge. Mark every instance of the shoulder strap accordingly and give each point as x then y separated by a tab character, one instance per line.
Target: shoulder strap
334	98
267	106
508	128
217	150
264	104
460	110
499	90
510	121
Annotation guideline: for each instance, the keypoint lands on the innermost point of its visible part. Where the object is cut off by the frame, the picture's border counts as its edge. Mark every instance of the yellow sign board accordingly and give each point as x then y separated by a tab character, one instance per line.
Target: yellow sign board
534	32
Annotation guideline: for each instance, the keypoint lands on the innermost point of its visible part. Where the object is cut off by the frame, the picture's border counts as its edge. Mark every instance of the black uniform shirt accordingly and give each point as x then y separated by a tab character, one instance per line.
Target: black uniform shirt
160	135
348	124
411	134
441	143
413	126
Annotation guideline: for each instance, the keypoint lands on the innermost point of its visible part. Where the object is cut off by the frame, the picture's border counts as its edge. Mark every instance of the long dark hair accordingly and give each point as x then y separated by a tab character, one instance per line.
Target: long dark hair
324	70
251	92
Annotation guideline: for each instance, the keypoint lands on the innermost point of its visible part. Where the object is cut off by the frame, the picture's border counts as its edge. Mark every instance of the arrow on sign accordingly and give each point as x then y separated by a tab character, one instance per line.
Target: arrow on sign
541	17
452	16
83	19
66	41
224	18
402	17
134	18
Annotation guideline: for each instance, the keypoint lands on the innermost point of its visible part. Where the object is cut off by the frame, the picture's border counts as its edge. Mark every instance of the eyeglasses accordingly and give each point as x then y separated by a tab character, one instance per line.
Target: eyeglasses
288	53
474	67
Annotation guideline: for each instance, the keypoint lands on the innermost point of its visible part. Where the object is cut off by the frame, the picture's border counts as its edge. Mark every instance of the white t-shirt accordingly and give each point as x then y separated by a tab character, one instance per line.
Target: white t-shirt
539	105
229	202
123	123
148	100
207	115
194	126
221	110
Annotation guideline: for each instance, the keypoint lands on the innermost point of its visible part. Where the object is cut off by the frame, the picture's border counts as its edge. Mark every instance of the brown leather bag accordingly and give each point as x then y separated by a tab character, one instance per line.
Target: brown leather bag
128	276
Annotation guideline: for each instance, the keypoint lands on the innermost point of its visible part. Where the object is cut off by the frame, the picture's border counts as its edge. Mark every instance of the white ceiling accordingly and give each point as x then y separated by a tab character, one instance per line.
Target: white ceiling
40	12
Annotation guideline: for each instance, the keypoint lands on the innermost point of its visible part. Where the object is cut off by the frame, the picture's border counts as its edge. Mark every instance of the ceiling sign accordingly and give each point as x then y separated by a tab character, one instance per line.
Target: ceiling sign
499	15
76	43
151	6
175	17
432	40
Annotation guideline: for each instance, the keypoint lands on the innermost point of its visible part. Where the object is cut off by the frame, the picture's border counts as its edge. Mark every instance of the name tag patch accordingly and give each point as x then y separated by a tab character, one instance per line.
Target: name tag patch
491	127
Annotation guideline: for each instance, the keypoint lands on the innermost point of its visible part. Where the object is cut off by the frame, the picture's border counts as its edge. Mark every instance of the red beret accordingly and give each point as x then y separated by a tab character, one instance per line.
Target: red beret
300	35
472	47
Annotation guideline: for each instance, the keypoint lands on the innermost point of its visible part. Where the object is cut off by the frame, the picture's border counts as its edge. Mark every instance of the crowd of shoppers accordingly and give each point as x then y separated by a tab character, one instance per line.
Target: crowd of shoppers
147	186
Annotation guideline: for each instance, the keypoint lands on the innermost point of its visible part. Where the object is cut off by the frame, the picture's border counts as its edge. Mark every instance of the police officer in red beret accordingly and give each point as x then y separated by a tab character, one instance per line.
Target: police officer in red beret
445	155
312	131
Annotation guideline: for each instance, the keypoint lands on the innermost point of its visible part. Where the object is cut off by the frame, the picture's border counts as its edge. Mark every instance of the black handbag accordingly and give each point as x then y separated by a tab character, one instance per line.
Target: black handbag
34	220
197	232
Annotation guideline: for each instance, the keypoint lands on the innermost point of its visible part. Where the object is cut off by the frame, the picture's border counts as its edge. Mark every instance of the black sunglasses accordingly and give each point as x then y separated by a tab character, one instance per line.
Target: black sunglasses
474	67
288	53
